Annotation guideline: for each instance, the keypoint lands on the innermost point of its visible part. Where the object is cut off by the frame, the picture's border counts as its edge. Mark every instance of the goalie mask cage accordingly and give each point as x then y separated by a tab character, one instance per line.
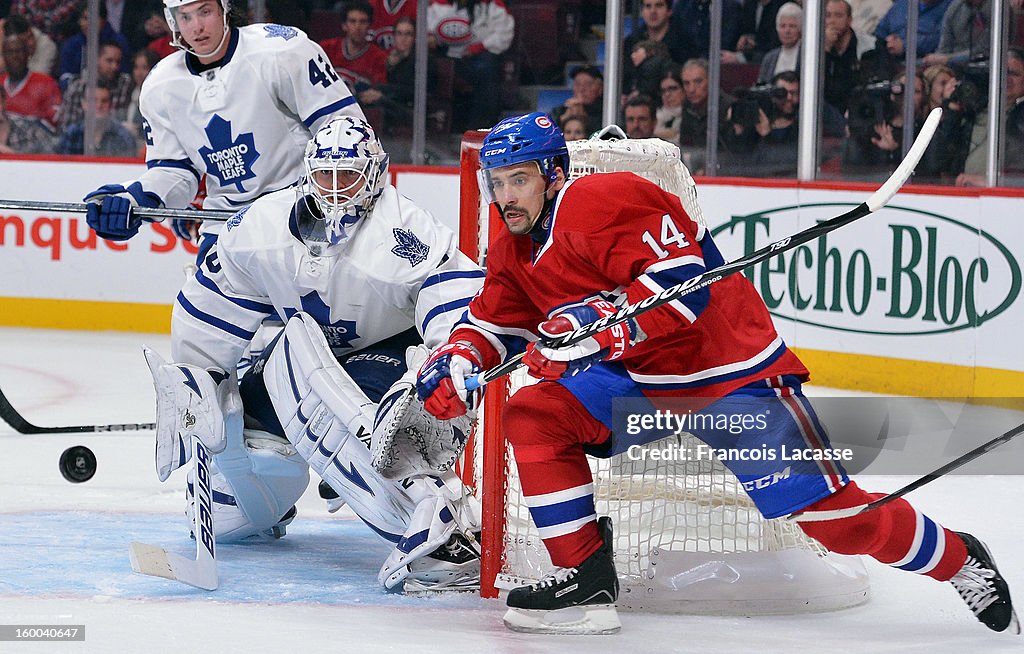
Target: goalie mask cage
687	537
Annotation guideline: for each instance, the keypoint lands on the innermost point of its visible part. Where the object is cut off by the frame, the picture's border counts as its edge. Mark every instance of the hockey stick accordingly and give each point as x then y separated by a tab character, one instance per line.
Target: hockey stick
836	514
22	426
142	212
877	200
158	562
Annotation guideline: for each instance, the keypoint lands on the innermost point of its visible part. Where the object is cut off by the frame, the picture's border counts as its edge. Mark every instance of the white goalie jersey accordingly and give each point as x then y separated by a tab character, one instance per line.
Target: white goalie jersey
244	124
400	268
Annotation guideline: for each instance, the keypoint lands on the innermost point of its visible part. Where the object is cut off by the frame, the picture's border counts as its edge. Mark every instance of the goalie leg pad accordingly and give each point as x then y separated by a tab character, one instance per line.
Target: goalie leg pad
190	402
327	417
443	517
407	440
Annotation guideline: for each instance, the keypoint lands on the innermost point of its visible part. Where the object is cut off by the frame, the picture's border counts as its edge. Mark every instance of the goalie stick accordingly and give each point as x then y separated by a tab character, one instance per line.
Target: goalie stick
142	212
836	514
158	562
876	201
23	426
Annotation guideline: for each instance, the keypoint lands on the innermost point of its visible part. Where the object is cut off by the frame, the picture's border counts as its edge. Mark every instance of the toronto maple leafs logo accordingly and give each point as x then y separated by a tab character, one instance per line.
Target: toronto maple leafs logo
283	31
236	219
409	246
228	159
339	333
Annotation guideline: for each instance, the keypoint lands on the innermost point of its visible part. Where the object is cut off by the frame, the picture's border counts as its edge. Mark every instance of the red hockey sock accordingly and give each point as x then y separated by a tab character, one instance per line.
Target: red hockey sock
895	534
547	428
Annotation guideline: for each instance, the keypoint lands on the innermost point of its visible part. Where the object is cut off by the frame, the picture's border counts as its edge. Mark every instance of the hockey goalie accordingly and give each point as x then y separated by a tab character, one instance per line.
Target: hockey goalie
367	282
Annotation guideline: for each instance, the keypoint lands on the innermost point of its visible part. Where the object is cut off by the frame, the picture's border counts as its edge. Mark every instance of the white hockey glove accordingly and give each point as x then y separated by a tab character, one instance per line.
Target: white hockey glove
406	439
190	403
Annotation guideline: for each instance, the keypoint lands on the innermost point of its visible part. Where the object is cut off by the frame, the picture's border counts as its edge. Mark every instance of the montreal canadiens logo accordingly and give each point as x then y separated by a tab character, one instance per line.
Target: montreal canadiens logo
454	31
542	121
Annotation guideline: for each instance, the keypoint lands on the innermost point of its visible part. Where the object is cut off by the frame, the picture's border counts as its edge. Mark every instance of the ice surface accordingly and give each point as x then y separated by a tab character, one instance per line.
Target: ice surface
64	551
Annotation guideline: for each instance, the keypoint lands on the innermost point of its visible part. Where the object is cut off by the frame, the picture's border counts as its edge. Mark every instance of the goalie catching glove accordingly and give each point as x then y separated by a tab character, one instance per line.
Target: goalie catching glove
609	345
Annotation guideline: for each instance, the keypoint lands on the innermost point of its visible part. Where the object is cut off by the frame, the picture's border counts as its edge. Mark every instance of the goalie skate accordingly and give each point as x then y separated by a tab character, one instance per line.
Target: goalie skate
575	601
455	566
983	589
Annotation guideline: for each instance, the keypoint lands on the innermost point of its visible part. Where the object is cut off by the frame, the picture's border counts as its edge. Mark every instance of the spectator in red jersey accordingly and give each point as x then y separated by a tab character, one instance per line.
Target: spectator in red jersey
23	134
360	62
28	93
386	15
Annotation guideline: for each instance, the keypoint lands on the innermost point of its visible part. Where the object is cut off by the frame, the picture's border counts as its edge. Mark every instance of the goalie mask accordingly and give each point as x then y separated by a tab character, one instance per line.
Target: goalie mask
171	8
346	171
522	139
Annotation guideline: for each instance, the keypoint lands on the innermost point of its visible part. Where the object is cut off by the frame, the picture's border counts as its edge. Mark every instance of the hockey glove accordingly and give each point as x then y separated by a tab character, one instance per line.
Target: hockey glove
441	382
109	210
608	345
186	230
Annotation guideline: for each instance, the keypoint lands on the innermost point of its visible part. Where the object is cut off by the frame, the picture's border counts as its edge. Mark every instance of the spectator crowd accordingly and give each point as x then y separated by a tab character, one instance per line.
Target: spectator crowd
476	47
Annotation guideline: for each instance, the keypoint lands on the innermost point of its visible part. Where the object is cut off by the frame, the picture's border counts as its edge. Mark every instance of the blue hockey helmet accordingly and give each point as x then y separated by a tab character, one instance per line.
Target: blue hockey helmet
520	139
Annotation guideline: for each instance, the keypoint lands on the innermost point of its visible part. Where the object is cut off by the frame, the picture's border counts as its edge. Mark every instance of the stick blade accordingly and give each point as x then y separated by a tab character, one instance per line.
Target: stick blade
158	562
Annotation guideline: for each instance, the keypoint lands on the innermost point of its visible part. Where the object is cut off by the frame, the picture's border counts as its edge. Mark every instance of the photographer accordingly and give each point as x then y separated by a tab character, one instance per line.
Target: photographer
761	128
875	123
962	99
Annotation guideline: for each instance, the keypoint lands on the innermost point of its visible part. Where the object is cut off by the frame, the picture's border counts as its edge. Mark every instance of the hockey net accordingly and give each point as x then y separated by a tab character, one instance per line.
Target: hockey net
687	537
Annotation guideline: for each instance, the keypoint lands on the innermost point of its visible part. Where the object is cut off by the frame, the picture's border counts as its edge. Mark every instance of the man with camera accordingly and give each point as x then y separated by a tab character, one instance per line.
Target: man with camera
763	121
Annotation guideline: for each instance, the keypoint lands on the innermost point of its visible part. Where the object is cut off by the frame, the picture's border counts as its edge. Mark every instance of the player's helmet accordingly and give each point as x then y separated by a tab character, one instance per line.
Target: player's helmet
169	16
520	139
344	146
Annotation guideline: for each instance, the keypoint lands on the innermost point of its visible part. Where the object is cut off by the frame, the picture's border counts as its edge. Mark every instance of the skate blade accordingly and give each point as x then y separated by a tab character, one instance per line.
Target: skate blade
597	619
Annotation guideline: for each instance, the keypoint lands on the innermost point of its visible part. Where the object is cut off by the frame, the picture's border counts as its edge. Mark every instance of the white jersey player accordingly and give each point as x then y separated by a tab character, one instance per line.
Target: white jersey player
360	273
236	105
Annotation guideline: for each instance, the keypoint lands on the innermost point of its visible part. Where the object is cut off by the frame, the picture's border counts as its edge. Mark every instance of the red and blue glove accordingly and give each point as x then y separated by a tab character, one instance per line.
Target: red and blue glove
441	382
608	345
109	210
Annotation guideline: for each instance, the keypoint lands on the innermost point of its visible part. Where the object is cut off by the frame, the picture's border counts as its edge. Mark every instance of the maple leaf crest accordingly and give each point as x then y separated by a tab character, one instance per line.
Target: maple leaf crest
282	31
409	246
228	159
339	333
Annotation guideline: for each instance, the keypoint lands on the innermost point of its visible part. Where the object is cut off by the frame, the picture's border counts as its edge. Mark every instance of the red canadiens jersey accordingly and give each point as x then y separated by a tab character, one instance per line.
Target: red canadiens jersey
618	233
359	68
37	95
385	14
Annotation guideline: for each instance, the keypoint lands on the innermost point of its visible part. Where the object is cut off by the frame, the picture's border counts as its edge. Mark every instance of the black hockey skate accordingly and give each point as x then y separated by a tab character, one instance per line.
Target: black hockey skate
983	589
578	600
455	566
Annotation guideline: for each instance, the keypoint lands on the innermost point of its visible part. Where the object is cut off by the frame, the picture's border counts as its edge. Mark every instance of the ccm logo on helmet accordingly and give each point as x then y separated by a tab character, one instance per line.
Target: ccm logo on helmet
542	121
491	153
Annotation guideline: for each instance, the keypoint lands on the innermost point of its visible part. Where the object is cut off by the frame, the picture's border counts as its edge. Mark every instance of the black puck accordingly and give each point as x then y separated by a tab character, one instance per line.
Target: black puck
78	464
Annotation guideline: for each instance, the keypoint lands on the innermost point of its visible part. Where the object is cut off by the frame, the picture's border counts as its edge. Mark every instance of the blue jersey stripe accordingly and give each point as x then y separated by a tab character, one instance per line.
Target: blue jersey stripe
329	109
213	321
444	308
437	278
181	164
251	305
